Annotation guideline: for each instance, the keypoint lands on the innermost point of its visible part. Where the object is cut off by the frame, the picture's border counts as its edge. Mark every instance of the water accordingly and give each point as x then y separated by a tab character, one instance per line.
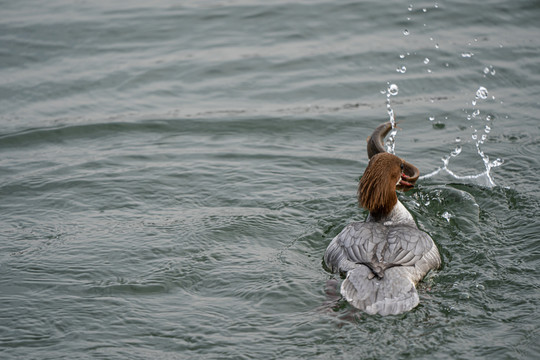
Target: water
171	174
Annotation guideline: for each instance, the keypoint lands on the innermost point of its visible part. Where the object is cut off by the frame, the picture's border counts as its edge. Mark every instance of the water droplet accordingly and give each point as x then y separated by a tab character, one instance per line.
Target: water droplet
426	61
424	10
497	162
481	93
383	91
488	118
436	6
447	216
393	90
445	159
456	151
474	136
402	56
410	7
431	118
487	129
489	70
467	54
429	71
476	113
473	103
405	32
436	46
458	139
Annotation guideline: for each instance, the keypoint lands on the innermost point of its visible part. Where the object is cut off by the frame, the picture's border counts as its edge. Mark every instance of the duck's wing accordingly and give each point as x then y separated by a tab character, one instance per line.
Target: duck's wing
411	247
381	247
353	245
383	264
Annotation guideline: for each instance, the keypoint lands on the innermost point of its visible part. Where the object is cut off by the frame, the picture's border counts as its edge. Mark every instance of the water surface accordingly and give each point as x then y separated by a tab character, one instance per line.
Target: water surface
171	174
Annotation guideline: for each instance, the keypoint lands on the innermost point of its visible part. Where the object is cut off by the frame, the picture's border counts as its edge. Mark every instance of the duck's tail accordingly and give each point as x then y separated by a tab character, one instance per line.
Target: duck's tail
392	294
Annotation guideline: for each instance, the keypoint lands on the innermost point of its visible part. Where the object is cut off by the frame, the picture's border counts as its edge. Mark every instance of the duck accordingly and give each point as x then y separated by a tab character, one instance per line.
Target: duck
384	257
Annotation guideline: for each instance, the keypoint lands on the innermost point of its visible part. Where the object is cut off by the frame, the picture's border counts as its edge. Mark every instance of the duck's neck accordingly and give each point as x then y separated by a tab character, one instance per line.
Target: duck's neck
398	216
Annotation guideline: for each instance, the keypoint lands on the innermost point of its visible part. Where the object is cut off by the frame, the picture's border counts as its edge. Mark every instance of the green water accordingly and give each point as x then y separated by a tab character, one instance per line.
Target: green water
171	174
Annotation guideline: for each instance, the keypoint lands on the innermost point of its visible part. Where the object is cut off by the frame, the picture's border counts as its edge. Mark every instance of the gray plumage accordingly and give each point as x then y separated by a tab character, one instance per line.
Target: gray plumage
383	260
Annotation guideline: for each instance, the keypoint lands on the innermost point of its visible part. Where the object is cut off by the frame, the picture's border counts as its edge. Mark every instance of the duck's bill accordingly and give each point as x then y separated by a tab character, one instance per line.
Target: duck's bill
405	182
409	176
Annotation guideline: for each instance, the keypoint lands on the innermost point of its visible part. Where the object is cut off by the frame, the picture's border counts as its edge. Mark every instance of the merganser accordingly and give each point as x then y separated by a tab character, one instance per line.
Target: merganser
387	255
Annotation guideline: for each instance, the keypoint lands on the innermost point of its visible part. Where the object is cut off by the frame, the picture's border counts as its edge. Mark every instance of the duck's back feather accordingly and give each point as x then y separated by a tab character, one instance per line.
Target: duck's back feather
383	263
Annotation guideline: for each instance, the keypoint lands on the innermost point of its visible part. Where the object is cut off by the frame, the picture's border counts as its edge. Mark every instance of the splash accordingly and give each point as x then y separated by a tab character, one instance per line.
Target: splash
484	178
479	137
391	140
479	134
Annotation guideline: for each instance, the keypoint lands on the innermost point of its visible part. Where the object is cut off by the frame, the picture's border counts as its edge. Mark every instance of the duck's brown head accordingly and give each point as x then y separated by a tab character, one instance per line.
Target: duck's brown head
377	189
